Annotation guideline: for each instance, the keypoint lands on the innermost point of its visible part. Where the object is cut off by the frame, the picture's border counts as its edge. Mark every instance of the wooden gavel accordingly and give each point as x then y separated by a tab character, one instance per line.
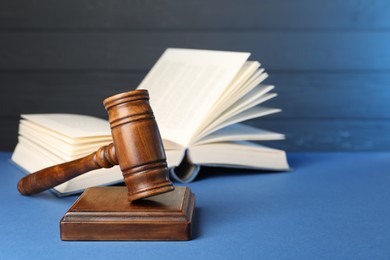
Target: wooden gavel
137	148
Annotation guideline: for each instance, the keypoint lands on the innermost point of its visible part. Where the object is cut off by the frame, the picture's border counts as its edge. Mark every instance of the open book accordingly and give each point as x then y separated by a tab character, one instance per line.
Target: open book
199	98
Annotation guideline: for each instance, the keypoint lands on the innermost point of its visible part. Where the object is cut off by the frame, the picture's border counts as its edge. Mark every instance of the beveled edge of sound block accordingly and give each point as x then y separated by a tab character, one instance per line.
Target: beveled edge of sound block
104	213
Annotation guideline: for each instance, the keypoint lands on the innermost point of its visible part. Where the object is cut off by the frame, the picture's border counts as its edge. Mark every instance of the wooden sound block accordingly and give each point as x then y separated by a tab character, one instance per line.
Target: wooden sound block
104	213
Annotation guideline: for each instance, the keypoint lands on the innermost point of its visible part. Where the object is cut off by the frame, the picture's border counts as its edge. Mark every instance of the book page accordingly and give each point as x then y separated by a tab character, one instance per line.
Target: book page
233	97
240	132
27	128
239	92
71	125
238	154
245	73
244	105
251	113
183	86
57	146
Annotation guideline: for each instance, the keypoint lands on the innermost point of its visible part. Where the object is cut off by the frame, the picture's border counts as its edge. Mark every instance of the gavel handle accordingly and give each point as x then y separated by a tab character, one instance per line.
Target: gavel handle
52	176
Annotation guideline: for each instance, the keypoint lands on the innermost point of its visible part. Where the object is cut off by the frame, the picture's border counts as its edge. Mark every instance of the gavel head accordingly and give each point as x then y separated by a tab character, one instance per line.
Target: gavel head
138	146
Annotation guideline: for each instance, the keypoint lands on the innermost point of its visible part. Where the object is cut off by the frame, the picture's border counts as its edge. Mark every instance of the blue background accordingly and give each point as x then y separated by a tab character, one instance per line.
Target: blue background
333	206
330	60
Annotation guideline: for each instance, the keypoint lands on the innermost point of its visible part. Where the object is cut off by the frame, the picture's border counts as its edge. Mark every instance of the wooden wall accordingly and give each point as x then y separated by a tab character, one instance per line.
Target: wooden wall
330	60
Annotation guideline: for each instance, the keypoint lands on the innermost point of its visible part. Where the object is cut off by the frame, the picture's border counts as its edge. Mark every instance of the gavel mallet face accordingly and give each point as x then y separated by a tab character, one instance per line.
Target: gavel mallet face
137	148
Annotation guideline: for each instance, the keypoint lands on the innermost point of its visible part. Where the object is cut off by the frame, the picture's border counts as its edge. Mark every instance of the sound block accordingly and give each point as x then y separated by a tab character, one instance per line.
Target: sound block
104	213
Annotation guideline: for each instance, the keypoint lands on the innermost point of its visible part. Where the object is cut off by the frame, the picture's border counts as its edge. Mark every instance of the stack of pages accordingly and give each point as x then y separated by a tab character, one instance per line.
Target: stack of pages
50	139
200	99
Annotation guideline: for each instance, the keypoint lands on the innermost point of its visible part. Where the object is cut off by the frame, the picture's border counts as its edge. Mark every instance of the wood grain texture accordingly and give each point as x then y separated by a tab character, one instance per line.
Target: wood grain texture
329	60
103	213
213	14
276	50
332	95
329	135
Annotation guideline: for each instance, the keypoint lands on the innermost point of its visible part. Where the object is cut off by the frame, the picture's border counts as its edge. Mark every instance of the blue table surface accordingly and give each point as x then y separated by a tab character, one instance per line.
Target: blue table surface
331	206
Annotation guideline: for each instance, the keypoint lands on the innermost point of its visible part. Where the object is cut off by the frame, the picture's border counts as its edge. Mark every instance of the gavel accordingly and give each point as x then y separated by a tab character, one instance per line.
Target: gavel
137	148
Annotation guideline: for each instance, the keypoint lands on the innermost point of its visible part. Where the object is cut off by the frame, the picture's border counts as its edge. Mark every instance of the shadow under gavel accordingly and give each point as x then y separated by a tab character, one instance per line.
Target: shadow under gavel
137	148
